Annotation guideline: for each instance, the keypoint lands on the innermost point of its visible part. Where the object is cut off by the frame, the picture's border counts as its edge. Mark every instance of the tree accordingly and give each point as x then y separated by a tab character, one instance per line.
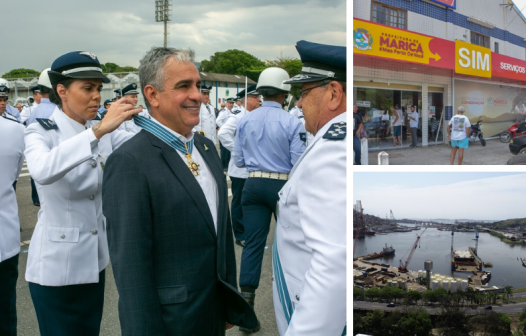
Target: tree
417	323
234	62
358	293
115	68
429	296
373	293
21	73
451	321
493	323
412	297
522	317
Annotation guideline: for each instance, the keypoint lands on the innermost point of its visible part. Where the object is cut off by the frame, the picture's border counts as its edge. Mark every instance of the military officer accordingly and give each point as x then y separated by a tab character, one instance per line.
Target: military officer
238	106
26	111
10	112
207	123
298	113
221	119
11	161
105	107
238	176
66	154
130	92
309	252
268	143
44	110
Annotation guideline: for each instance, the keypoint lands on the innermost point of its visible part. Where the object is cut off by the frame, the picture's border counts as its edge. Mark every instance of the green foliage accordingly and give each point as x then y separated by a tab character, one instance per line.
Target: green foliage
21	73
522	326
515	222
412	297
358	293
114	68
377	322
491	324
523	314
373	293
234	62
451	321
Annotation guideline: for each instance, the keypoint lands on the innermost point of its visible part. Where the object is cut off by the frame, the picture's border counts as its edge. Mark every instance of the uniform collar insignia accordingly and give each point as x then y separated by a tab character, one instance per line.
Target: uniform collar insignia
337	131
88	54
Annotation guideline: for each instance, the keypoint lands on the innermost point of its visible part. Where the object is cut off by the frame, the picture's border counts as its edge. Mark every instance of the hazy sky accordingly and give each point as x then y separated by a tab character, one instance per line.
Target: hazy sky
35	33
482	196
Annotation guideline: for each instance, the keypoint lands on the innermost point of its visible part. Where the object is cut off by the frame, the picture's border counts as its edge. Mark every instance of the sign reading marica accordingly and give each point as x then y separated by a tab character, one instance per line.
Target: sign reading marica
472	59
381	41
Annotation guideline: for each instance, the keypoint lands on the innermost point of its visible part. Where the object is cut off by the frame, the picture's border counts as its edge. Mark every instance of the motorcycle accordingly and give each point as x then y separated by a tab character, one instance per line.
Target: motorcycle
475	132
518	128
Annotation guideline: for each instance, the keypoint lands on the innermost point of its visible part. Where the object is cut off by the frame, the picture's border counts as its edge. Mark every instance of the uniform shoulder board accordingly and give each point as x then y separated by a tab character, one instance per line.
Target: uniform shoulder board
236	111
337	131
303	136
48	124
97	117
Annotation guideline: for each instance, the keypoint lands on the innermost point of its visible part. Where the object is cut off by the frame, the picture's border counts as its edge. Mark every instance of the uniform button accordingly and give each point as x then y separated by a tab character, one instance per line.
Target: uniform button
94	232
93	164
63	236
281	193
297	298
92	197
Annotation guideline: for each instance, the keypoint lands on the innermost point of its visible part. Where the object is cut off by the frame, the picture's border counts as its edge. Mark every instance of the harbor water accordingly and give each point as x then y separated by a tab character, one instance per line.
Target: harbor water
436	245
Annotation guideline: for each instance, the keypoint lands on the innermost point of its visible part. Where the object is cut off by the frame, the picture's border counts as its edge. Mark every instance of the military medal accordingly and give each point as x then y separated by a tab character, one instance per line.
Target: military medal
194	166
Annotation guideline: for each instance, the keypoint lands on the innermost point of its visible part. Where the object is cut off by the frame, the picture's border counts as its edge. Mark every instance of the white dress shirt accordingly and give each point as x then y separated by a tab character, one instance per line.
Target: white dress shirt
205	178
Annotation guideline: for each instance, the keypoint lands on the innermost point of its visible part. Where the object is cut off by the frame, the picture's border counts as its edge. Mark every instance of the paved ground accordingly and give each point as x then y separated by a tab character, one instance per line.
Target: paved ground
27	321
494	153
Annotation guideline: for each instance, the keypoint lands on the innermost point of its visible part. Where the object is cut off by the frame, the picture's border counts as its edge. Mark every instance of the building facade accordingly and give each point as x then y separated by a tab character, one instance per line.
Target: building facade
438	55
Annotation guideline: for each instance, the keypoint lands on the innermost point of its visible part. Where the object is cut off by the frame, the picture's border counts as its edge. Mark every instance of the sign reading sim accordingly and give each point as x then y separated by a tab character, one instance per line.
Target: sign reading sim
472	59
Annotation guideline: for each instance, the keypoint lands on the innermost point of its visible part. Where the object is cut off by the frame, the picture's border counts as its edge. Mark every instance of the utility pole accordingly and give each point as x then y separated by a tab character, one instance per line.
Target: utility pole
163	10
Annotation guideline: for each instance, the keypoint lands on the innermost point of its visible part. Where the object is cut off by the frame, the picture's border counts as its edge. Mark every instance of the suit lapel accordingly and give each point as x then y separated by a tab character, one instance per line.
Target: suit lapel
183	174
219	177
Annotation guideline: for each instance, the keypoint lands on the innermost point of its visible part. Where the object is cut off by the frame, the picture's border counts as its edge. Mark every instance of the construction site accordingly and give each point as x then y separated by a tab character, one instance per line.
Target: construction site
367	273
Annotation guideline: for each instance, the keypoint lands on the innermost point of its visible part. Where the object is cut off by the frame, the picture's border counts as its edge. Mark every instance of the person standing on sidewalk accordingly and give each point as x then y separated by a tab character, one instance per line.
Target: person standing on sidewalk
458	132
357	128
397	125
413	123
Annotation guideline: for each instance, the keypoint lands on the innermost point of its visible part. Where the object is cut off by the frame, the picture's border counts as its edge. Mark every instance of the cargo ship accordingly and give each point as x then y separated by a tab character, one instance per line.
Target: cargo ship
386	251
460	259
369	233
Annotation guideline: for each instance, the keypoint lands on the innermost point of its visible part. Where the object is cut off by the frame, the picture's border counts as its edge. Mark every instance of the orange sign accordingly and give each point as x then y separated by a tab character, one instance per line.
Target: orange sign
472	59
382	41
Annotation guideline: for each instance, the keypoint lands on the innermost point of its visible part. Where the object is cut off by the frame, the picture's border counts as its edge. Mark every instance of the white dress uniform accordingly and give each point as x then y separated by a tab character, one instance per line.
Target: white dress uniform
298	113
11	161
207	122
26	112
69	244
226	135
223	116
310	241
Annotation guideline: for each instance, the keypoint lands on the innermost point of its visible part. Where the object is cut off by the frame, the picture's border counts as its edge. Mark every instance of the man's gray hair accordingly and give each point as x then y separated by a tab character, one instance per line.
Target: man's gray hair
151	70
461	109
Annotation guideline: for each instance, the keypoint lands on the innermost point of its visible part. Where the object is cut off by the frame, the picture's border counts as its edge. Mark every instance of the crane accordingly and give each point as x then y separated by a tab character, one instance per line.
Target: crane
392	216
403	266
452	236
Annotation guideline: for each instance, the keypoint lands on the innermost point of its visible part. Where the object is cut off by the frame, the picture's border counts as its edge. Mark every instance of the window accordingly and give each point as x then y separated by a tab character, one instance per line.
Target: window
390	16
479	39
496	47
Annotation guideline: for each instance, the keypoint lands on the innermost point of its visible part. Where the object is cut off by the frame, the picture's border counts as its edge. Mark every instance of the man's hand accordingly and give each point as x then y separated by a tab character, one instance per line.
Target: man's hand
118	112
229	326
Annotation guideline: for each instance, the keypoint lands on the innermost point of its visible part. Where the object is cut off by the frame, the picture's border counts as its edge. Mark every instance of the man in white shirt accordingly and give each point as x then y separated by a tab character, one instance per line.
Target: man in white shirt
413	123
221	119
26	111
458	132
207	116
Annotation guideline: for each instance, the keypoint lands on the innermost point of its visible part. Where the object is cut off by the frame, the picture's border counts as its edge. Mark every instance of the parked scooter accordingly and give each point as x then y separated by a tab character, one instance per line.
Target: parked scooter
475	132
518	128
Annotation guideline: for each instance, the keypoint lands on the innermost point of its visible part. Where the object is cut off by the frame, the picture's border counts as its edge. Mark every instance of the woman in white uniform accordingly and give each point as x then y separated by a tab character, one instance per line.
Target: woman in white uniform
65	155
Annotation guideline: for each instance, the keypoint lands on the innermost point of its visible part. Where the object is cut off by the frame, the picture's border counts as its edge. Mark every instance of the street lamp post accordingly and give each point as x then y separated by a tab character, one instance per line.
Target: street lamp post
163	9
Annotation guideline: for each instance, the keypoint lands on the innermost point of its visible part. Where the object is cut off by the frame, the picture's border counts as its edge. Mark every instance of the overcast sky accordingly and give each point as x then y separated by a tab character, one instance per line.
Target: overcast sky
35	33
481	196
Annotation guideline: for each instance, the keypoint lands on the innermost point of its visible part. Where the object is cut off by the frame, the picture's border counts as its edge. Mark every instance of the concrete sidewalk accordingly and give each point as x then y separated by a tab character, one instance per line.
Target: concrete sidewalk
494	153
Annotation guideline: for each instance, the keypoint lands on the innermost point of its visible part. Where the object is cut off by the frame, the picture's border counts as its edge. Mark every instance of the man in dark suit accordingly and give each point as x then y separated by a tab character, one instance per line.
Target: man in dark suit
166	204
